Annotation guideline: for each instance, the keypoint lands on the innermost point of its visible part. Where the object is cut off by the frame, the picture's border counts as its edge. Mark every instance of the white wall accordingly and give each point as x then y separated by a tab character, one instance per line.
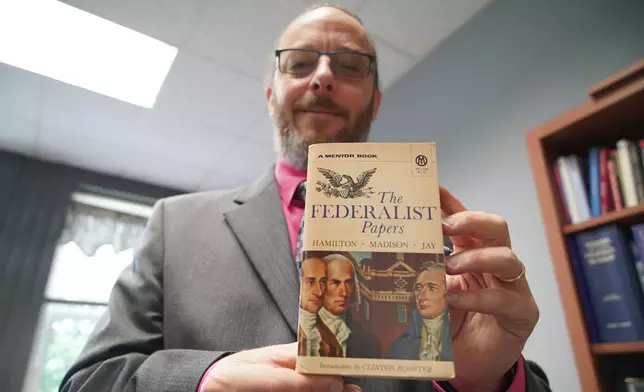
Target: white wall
515	65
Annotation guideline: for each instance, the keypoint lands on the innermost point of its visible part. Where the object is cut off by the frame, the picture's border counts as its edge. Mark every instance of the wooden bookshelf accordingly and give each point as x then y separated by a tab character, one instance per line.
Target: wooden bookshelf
614	110
627	215
618	348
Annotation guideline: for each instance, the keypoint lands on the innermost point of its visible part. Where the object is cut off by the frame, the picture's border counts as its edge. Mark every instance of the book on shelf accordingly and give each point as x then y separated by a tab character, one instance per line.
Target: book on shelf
373	232
637	245
607	178
610	284
634	384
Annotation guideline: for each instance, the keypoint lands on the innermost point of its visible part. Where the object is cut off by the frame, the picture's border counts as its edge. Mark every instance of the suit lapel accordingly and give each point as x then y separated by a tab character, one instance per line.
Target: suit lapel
260	227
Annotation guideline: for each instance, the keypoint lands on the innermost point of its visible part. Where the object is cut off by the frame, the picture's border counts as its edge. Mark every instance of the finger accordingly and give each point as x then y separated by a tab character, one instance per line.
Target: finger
351	388
282	355
494	301
449	203
452	205
287	380
322	383
499	261
489	228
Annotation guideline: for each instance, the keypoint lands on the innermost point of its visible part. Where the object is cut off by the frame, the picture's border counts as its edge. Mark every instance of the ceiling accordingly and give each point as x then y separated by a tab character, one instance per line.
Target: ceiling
209	127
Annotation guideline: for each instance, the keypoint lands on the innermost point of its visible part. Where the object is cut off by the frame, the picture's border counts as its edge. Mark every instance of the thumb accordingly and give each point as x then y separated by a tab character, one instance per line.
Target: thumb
351	388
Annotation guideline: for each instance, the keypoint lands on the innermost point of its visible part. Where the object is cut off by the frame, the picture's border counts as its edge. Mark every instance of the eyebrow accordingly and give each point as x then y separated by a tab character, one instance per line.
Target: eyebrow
352	45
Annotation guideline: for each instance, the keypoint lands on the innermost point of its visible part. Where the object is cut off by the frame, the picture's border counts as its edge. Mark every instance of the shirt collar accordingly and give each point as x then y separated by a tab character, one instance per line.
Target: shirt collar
288	178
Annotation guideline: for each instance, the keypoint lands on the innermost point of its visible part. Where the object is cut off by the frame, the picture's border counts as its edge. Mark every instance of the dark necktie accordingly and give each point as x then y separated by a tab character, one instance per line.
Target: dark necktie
300	194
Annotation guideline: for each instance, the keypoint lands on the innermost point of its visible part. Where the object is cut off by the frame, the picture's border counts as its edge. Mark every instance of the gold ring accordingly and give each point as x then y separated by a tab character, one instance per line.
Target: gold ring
520	276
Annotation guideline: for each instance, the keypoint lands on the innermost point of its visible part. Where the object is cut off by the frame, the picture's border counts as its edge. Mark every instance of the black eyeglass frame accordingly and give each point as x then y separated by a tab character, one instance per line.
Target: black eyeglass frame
371	57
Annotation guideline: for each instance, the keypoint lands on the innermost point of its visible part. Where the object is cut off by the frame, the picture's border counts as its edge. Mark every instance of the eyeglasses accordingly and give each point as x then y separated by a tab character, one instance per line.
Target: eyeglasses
344	63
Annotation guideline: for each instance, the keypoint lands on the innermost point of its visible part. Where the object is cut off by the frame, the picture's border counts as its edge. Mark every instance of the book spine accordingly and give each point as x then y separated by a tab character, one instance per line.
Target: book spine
626	173
613	287
637	170
638	252
641	144
562	194
604	187
593	170
579	188
566	179
614	182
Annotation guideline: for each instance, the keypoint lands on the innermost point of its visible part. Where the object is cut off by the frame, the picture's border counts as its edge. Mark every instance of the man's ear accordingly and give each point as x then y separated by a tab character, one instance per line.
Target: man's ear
269	99
377	96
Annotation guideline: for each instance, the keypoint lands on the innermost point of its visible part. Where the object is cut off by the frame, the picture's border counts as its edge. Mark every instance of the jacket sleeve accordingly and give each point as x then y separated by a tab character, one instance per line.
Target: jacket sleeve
125	352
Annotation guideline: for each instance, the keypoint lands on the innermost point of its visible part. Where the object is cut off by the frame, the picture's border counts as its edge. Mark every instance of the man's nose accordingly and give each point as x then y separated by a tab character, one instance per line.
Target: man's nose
317	290
343	290
323	81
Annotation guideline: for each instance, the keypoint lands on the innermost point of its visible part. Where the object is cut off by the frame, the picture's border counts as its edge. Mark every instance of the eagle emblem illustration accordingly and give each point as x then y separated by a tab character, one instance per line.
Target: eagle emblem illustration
343	185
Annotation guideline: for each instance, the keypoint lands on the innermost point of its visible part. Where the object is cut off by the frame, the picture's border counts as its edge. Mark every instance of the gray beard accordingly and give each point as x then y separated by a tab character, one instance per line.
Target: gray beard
291	148
295	151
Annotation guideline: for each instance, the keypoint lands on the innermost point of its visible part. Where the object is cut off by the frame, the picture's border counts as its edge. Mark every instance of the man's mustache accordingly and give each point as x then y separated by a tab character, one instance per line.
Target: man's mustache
320	102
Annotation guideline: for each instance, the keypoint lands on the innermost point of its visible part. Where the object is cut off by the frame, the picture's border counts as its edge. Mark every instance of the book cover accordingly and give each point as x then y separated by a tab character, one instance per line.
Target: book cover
584	297
373	242
612	283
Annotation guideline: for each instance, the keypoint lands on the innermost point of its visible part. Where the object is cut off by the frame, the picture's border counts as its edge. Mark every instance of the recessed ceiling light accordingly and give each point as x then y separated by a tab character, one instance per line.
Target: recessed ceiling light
75	47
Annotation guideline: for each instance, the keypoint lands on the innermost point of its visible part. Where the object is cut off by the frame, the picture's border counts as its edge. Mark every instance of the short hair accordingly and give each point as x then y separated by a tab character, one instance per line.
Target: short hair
337	257
372	45
426	266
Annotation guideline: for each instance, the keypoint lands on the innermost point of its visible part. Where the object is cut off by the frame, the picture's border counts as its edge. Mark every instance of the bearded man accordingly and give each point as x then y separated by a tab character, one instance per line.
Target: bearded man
211	302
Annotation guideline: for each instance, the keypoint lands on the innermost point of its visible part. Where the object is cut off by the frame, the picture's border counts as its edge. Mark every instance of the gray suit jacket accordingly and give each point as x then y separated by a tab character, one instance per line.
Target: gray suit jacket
214	274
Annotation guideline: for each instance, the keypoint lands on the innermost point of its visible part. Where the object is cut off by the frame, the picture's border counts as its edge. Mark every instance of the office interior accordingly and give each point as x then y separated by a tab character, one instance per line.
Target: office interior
82	161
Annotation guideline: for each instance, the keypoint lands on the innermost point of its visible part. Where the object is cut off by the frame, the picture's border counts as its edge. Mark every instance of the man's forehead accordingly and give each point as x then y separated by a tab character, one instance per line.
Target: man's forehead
313	263
430	274
340	267
314	26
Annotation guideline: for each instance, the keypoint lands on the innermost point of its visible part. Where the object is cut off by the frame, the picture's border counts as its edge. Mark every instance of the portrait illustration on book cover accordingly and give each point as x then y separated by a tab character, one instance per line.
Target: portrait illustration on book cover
374	305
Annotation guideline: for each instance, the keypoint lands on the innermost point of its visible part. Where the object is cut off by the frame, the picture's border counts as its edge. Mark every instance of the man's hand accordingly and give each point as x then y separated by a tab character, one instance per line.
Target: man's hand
490	319
269	369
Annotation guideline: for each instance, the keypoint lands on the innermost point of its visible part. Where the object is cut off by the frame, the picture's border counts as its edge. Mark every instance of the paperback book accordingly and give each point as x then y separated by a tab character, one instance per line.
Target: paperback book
372	271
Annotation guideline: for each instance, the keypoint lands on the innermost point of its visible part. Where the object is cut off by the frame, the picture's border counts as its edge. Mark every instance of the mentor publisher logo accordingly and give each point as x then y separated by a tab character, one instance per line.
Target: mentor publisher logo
421	160
422	168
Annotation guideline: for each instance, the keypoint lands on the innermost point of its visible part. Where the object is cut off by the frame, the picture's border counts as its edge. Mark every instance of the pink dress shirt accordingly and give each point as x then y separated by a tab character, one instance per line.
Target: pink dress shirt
288	178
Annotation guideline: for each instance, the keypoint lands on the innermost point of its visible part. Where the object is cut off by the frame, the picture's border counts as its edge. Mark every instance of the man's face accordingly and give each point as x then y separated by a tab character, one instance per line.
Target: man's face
320	106
429	290
339	287
313	284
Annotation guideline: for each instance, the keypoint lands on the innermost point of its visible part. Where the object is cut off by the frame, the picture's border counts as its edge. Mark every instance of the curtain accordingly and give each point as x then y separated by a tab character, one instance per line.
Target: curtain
34	197
90	227
36	214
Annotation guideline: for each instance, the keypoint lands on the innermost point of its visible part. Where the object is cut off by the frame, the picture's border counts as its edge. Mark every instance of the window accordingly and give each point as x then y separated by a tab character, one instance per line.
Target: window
97	243
402	313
